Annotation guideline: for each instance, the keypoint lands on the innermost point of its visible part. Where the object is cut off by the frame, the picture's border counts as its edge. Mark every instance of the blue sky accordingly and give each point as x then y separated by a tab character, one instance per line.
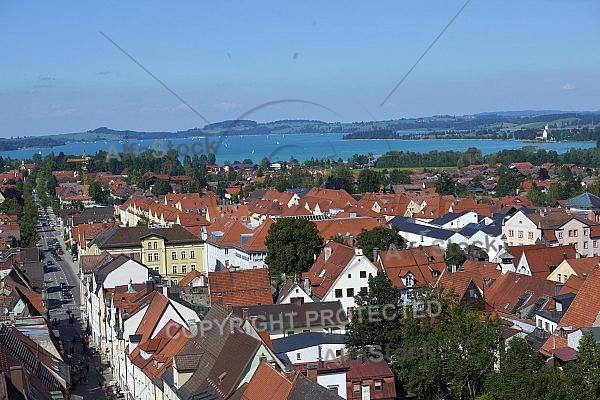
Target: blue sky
60	74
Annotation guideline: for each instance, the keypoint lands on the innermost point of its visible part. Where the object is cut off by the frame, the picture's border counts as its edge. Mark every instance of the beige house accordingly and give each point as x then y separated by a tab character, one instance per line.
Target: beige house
171	251
580	267
554	226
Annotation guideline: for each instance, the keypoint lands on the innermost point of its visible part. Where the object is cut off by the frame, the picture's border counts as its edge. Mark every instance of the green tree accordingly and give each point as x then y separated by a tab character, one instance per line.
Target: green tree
399	177
457	350
371	329
585	371
369	180
291	247
522	374
535	196
340	178
380	237
100	192
444	185
507	183
454	255
161	187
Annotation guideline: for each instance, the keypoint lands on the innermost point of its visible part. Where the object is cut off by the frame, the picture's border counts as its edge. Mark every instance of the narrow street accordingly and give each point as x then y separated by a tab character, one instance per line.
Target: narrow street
88	373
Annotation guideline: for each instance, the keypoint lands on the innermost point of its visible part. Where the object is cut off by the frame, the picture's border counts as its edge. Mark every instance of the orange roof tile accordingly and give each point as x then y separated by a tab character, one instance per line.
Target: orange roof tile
240	288
582	313
267	384
193	274
503	295
426	263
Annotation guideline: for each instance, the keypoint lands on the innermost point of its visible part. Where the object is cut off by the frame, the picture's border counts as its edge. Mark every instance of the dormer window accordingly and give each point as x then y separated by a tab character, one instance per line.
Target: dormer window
409	280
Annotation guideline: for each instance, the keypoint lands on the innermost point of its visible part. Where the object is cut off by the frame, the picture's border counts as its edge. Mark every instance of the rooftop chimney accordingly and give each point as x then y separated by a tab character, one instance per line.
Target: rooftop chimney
327	253
311	372
245	313
193	325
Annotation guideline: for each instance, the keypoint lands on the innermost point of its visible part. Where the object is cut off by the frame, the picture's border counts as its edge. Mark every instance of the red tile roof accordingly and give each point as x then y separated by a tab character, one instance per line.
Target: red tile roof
426	263
268	384
193	274
582	313
240	288
542	259
503	295
324	273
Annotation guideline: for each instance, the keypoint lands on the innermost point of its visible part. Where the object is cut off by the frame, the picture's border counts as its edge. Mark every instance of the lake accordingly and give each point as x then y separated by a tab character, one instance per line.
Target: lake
301	146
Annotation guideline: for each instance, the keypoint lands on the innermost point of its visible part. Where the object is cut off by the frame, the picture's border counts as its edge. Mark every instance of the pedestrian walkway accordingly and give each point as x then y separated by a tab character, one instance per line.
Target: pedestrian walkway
89	376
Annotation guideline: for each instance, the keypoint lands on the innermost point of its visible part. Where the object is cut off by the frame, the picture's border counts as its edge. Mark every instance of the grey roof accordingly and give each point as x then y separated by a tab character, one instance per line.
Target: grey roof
93	214
595	332
538	337
451	216
109	266
187	362
585	201
418	229
295	316
119	236
308	389
304	340
472	228
223	353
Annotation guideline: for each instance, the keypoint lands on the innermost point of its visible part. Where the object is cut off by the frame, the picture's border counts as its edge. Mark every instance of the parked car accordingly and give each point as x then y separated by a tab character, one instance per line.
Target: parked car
50	262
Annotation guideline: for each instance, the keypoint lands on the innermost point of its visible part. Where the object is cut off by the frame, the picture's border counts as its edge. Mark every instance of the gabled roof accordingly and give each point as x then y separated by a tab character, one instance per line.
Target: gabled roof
218	357
232	235
233	360
572	285
111	265
484	273
515	294
193	274
39	366
279	386
582	313
405	225
347	228
294	316
240	288
91	263
585	201
257	241
291	386
157	305
425	263
324	272
584	265
542	259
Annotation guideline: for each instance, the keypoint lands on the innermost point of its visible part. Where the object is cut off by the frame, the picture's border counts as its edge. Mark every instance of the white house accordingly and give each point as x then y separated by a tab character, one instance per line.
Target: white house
310	347
114	271
417	234
339	273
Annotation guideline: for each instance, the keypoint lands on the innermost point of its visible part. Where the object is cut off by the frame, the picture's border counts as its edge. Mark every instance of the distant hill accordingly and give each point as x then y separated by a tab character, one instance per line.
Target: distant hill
491	121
